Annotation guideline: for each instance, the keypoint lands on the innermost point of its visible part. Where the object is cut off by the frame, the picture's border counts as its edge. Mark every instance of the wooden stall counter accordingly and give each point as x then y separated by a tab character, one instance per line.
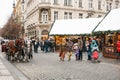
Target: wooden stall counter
109	48
109	51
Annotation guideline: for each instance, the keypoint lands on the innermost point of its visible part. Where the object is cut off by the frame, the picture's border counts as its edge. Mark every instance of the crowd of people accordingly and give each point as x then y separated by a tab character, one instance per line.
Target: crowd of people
47	45
92	46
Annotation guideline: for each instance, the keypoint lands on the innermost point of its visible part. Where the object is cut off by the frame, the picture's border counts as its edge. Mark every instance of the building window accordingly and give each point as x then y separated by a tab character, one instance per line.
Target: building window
90	3
116	3
80	3
23	7
43	0
108	6
67	2
55	1
80	15
99	16
55	15
116	6
44	17
70	15
44	32
65	15
99	5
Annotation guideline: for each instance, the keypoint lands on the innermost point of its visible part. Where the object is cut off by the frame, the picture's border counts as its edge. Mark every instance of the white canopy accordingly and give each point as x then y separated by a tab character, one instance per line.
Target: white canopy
110	22
74	26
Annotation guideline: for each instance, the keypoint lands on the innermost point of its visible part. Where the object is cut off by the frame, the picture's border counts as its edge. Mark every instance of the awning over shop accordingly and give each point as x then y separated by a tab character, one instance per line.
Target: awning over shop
111	22
74	26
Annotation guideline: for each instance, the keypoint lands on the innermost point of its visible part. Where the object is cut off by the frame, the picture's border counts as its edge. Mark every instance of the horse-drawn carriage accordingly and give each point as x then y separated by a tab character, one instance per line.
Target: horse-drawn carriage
19	50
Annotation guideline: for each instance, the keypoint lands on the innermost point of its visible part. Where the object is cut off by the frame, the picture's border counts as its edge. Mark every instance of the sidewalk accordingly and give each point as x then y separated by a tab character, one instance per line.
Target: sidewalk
4	72
8	71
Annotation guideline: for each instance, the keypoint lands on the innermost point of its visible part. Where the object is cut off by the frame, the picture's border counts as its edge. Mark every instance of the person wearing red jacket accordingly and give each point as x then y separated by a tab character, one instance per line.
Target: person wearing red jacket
118	48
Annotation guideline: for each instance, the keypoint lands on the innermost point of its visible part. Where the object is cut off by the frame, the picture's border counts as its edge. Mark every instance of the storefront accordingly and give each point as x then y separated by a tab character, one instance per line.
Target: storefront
72	28
109	44
110	27
44	34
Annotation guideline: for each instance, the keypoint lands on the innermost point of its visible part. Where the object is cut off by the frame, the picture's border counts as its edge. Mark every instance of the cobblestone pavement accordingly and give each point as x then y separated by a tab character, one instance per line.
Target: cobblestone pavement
8	71
47	66
4	73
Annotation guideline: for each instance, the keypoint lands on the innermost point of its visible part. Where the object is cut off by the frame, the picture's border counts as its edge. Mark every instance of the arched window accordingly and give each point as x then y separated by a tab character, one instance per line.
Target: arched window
44	35
44	17
44	32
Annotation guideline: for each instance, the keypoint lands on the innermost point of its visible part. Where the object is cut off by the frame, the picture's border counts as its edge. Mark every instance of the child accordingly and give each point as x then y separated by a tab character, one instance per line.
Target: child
95	56
77	53
76	50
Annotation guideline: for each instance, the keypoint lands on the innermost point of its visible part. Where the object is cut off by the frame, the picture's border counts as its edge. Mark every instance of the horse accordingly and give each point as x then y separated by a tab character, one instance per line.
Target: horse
19	44
28	49
10	53
25	49
15	49
19	50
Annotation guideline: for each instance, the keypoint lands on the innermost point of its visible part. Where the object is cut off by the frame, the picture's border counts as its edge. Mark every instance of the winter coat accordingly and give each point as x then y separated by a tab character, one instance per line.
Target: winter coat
94	46
88	47
80	45
95	55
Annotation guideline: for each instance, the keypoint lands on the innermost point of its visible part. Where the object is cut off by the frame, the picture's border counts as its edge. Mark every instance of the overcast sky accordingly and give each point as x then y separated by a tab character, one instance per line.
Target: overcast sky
6	8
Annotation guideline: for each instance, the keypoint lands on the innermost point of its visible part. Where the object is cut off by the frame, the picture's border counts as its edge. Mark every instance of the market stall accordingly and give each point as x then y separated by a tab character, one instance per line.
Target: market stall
63	29
110	28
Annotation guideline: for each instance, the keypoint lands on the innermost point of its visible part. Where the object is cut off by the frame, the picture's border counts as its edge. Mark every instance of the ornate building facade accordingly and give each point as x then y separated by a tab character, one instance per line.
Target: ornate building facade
38	15
18	14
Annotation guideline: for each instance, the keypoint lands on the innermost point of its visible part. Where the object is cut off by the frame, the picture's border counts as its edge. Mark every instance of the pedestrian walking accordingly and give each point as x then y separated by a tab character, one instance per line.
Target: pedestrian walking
62	55
42	44
46	45
69	45
94	51
52	45
94	46
80	46
88	49
76	50
3	47
36	45
95	56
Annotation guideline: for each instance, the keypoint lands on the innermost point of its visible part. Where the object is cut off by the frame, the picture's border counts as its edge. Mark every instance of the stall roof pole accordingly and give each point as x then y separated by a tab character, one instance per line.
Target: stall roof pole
100	21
